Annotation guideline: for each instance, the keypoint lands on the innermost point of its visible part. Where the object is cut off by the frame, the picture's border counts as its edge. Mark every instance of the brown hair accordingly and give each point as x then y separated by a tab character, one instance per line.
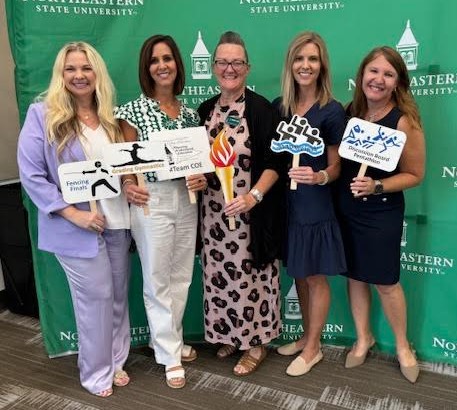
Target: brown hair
402	94
146	82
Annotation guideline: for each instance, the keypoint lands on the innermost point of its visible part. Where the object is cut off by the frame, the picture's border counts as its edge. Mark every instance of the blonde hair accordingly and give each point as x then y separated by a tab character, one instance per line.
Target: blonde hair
401	96
62	124
289	89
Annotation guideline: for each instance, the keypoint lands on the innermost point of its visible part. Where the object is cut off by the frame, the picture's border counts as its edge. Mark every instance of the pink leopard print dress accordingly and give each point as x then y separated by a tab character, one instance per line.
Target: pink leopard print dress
241	303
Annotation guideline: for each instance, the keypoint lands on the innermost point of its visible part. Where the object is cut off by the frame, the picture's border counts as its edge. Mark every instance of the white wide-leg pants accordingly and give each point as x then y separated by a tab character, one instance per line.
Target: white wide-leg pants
165	241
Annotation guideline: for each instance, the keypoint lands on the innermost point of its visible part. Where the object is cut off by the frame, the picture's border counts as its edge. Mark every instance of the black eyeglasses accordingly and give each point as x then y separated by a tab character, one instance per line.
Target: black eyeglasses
236	64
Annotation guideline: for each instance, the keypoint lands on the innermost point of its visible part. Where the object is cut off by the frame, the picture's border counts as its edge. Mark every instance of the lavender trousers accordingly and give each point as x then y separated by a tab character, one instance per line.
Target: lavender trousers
166	244
99	291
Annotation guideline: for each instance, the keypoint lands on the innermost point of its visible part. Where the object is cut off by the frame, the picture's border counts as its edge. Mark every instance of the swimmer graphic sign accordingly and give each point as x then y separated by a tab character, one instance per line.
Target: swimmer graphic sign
372	144
87	181
298	137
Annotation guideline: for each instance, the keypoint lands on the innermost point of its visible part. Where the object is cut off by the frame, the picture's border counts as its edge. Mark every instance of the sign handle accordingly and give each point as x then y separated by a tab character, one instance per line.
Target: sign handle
295	163
142	184
192	197
362	169
232	223
361	173
93	206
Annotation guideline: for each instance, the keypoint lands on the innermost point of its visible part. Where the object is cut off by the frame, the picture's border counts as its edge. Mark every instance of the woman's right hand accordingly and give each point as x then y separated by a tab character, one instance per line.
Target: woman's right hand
362	186
92	221
303	175
196	182
134	194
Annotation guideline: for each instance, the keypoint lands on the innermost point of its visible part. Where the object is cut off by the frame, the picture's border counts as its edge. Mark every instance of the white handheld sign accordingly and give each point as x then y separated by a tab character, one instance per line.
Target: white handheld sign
87	181
298	137
372	144
187	152
135	157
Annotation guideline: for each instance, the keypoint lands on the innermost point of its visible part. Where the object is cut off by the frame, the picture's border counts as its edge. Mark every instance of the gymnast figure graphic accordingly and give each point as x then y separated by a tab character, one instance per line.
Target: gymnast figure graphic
135	158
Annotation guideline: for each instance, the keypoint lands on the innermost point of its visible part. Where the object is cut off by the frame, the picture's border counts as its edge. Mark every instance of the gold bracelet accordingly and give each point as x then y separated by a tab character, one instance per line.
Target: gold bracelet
326	177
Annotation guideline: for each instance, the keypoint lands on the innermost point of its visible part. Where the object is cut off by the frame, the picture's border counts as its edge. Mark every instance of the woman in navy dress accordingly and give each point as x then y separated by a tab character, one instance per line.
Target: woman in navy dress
371	207
315	248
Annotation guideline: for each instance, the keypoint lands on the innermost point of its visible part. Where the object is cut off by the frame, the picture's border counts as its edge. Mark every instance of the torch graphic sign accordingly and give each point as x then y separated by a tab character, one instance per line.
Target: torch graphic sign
223	156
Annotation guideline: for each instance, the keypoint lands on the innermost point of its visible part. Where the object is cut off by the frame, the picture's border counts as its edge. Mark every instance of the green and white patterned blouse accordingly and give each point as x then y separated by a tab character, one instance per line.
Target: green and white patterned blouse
144	114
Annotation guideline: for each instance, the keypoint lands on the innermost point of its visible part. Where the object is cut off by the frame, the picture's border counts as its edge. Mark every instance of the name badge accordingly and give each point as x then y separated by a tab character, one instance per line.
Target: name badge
232	121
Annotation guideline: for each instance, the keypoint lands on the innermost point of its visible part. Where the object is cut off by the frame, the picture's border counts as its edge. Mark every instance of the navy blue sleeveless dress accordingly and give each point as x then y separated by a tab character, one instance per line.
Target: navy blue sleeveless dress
314	243
371	226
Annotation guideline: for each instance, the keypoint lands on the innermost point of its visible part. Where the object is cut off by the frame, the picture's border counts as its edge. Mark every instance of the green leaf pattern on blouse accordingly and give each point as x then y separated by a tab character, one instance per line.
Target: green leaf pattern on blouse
145	115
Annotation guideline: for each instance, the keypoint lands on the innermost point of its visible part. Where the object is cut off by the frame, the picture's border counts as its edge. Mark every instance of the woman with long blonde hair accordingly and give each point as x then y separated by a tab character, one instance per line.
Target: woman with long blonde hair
315	249
72	122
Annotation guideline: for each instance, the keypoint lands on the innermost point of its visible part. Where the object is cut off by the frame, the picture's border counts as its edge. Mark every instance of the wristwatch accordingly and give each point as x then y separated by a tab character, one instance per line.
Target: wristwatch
378	187
258	196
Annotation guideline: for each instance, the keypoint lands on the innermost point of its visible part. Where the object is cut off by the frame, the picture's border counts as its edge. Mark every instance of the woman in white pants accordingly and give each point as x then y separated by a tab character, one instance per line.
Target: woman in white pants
166	237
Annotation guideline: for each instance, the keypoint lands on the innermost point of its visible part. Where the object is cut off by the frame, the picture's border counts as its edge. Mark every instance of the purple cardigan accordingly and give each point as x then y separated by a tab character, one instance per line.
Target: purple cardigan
38	165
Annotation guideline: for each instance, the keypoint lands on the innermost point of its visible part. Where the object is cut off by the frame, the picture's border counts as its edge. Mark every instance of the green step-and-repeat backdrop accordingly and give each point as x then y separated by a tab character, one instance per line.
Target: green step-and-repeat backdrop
424	31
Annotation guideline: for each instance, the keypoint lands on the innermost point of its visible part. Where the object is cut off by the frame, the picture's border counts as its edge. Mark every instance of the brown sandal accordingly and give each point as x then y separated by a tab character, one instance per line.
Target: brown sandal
250	363
225	351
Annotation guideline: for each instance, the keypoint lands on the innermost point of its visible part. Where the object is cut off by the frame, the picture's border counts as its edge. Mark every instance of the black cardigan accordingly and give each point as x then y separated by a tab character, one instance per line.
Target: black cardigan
266	218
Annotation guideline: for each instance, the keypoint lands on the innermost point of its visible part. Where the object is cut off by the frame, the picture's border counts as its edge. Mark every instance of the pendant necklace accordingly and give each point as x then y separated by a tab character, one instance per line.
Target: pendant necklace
377	114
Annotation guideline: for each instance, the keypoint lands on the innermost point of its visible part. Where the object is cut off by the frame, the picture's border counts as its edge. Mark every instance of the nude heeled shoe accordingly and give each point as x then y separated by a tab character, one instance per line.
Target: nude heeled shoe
354	361
410	373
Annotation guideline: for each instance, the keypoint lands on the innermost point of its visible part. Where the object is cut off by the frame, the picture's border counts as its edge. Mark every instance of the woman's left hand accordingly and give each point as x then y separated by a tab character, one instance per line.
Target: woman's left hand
362	186
196	182
239	205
